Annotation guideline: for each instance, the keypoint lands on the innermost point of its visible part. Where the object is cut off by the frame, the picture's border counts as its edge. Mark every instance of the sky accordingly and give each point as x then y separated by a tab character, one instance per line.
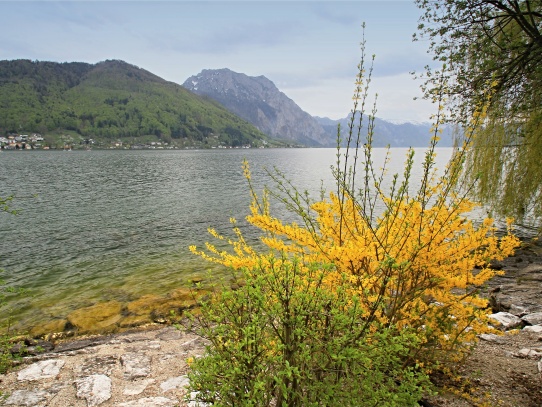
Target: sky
309	49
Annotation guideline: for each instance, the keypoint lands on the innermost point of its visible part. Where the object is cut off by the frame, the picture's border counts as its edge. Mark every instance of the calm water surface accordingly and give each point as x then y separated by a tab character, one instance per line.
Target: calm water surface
103	225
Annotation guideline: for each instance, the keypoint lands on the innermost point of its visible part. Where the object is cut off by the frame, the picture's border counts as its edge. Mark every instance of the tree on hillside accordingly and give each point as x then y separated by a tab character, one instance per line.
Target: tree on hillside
492	54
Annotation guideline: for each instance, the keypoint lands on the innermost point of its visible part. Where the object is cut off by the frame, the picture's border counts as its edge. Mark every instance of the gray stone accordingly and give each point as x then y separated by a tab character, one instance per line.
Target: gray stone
533	328
179	382
150	402
136	365
99	364
28	398
492	338
44	369
533	319
506	320
137	387
95	389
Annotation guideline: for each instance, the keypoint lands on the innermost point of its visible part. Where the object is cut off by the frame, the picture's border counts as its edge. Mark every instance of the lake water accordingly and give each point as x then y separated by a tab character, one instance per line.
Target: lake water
114	225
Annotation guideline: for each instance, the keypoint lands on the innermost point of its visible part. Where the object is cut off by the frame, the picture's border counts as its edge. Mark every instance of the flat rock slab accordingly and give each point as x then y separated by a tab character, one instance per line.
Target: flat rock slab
173	383
44	369
95	389
136	365
137	387
34	398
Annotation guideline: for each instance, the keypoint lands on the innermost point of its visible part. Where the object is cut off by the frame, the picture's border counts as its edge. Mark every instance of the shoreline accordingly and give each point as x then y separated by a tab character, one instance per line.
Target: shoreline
148	365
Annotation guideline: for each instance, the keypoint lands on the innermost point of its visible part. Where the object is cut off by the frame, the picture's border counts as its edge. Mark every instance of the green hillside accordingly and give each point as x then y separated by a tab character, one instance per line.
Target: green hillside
112	101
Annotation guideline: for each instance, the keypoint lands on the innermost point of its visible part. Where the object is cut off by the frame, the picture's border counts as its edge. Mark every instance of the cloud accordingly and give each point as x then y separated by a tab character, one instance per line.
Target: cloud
391	64
232	38
331	13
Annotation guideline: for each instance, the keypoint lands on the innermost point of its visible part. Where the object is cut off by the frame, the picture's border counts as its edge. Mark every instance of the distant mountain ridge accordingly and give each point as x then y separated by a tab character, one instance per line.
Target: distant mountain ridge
393	134
260	102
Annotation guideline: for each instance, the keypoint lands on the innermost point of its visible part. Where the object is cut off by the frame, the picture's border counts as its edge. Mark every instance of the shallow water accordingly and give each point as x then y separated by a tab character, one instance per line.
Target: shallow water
114	225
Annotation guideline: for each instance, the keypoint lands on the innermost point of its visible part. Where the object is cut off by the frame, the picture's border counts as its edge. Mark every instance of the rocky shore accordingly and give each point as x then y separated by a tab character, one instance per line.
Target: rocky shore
147	367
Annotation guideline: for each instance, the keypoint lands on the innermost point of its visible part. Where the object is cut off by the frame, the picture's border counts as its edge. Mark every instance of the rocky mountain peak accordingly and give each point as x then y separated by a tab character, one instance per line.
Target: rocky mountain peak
257	100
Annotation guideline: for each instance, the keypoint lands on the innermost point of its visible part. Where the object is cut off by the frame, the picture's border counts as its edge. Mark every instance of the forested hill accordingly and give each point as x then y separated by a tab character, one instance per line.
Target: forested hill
112	100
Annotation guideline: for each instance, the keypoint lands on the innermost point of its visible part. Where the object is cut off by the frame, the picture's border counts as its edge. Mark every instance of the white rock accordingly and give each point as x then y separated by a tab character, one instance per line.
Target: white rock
518	310
150	402
28	398
95	389
136	365
44	369
540	367
533	319
178	382
528	353
506	320
534	328
137	387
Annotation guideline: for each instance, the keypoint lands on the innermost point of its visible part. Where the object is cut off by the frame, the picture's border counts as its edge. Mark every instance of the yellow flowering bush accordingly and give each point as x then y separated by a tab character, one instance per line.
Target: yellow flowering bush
400	260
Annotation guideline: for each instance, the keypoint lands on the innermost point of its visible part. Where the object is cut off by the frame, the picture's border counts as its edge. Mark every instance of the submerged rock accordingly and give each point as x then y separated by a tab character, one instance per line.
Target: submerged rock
99	317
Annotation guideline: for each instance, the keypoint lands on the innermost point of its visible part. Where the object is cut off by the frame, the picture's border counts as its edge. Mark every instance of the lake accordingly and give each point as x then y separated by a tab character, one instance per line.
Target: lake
116	224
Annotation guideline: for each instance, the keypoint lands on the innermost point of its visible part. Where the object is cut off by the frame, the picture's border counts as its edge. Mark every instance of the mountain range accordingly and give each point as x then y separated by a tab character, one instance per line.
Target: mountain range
114	100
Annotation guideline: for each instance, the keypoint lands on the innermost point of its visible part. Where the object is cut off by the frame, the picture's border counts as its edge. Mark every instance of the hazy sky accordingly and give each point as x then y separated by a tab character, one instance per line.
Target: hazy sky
309	49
